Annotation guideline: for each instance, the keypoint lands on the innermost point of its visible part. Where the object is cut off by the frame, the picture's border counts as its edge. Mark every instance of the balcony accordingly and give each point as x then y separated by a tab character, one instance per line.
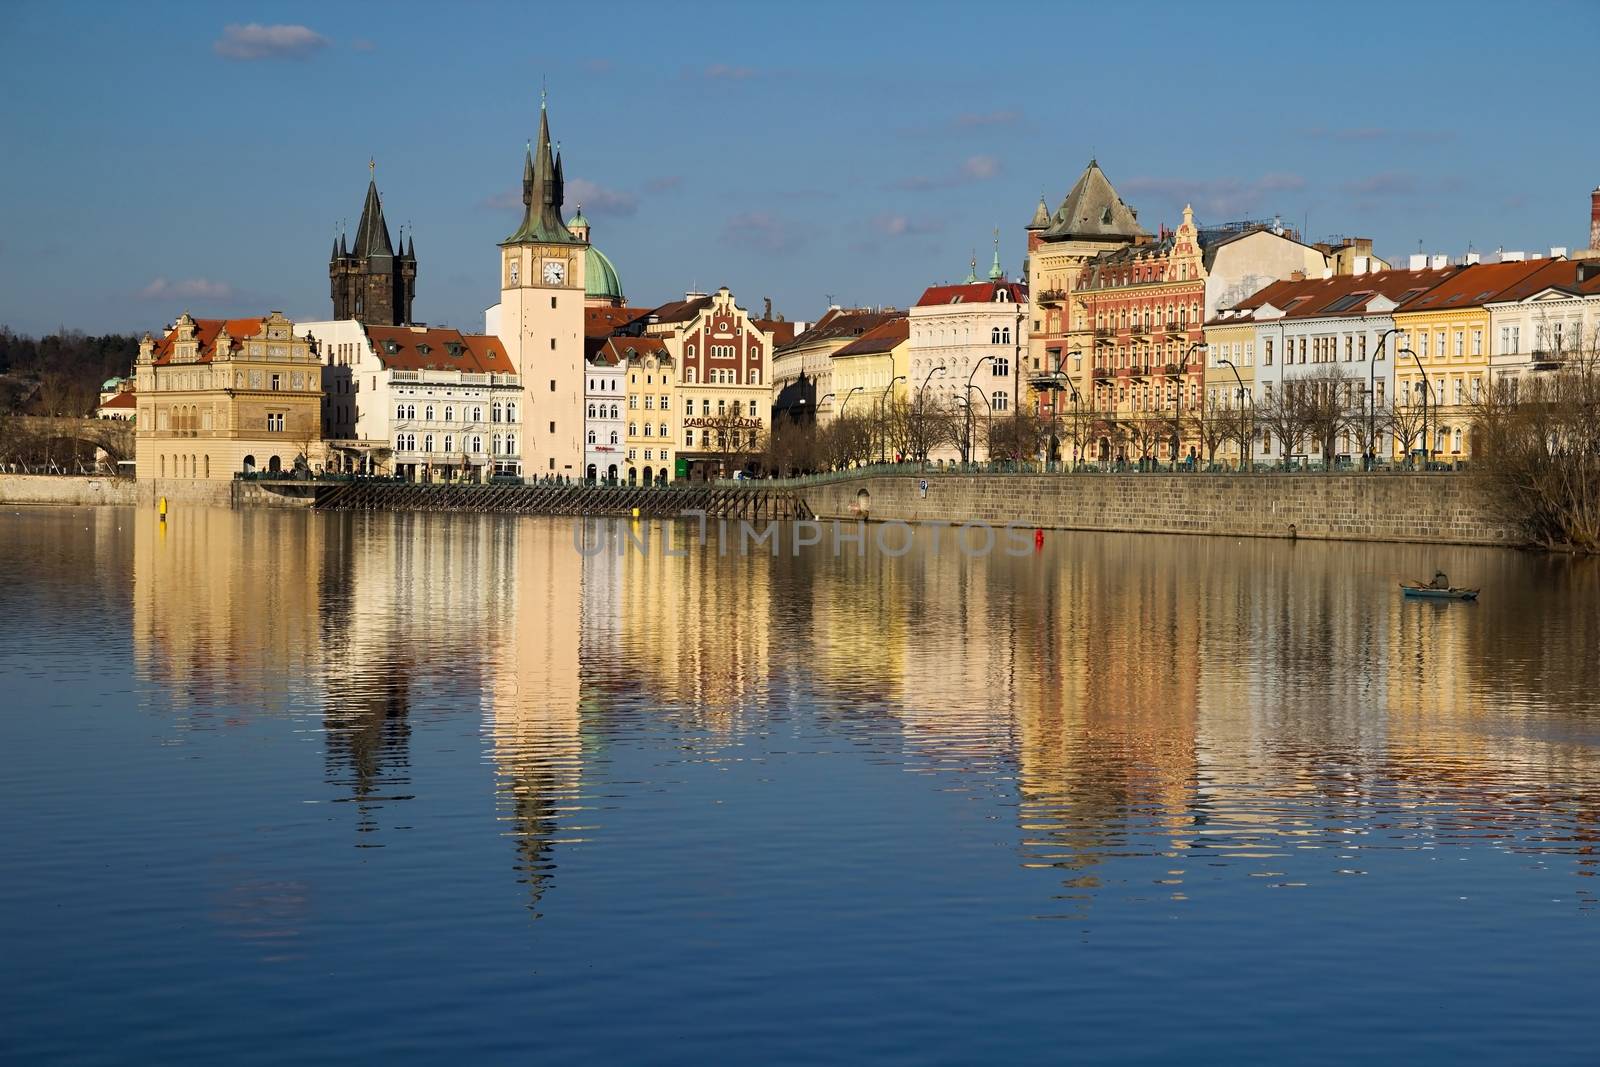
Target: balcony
1104	331
1051	297
1547	357
1170	370
1178	328
1136	328
1102	372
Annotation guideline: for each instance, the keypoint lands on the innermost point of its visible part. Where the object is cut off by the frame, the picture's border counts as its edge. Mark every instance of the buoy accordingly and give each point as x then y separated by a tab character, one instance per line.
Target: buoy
1038	539
162	507
636	513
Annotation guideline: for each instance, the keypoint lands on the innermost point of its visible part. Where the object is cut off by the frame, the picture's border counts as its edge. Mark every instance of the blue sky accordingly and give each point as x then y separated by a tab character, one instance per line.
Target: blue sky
158	160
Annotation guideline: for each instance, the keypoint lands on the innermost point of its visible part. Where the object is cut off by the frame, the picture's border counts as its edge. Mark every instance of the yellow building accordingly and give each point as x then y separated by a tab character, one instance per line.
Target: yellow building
217	396
872	369
1446	331
1230	384
651	386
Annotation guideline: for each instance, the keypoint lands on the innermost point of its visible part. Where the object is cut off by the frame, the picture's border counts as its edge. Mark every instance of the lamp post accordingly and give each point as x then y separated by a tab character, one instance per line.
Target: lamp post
847	397
967	456
883	415
1225	361
1183	378
1427	445
922	408
1372	398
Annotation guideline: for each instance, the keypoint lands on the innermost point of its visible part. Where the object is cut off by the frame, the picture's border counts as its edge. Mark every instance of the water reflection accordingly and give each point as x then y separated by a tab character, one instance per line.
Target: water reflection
1153	717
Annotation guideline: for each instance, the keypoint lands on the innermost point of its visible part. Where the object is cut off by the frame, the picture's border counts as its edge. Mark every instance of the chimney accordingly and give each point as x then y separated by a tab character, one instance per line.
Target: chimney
1418	261
1558	251
1473	258
767	300
1297	276
1362	265
1594	219
1438	262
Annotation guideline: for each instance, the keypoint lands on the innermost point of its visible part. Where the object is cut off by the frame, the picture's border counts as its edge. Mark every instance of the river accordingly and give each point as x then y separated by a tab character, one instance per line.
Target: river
401	787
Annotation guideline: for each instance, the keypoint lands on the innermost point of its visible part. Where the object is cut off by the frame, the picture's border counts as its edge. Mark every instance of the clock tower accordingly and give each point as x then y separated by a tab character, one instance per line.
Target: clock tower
541	317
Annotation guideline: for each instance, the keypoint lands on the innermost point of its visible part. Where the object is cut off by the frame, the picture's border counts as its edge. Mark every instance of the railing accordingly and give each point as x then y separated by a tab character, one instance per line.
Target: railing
1051	296
1104	331
1084	468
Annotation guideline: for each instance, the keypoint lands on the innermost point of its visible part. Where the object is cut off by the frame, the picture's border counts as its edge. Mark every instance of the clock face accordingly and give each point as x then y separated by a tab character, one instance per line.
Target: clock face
514	272
554	271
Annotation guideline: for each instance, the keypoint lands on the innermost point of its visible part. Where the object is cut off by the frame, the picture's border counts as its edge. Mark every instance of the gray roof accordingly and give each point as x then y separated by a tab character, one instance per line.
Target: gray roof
1094	210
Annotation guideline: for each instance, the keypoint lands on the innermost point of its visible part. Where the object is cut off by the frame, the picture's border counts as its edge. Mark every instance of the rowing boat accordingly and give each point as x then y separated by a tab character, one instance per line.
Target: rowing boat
1427	592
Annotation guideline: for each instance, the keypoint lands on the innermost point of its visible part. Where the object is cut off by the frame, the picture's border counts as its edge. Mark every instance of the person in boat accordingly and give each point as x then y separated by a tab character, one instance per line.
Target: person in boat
1440	581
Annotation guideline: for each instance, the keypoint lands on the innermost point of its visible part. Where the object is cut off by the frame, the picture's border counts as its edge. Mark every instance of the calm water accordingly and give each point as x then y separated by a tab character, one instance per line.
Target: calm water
401	787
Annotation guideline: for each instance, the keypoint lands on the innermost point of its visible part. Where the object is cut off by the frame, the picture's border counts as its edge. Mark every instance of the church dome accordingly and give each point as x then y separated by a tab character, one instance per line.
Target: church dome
578	221
600	277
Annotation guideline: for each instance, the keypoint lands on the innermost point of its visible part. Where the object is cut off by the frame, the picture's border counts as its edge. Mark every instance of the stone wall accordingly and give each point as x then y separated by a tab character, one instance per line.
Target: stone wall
1431	508
69	491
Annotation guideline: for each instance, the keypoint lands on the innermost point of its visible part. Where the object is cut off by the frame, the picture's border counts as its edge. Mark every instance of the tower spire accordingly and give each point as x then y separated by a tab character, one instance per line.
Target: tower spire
541	190
996	273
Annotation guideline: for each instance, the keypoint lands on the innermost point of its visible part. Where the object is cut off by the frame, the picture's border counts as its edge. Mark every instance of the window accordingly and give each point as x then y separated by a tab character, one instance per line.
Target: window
494	445
649	403
1266	353
496	411
1002	367
477	414
688	439
663	429
994	336
591	437
999	401
1477	342
449	415
614	412
277	382
633	401
633	429
552	380
400	411
552	426
475	445
663	404
427	442
449	443
427	412
275	422
688	375
591	411
1423	340
647	428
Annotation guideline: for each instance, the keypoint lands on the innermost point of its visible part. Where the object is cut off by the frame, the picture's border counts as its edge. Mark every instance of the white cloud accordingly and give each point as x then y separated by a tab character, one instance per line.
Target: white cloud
190	289
892	225
762	232
252	40
599	199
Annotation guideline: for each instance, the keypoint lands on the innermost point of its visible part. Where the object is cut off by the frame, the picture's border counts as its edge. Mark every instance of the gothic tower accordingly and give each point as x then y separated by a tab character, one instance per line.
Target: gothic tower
542	277
371	282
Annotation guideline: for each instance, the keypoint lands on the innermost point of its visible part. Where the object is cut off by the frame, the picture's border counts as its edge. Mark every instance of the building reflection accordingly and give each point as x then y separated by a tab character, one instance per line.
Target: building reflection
1147	710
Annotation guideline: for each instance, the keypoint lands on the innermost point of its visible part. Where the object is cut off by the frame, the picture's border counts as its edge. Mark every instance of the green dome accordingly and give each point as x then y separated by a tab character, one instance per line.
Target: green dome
600	277
577	220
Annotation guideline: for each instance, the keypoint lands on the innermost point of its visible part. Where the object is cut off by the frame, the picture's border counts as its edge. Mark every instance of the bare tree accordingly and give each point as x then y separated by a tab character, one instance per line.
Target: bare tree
1326	405
1016	437
1406	422
1284	417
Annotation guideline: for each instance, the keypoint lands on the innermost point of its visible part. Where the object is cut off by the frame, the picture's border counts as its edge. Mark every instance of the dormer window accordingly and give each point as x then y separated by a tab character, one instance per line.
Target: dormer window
424	349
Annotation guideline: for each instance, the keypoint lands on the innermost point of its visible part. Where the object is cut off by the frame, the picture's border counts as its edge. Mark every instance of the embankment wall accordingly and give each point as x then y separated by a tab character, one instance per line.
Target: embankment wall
1428	508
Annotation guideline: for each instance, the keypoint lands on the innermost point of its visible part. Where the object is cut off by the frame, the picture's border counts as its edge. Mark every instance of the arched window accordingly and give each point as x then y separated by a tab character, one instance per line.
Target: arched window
663	429
613	437
633	429
427	442
1005	335
511	411
647	428
615	412
591	437
477	416
427	412
591	411
494	444
449	443
477	444
1002	368
688	374
400	411
689	352
449	415
994	336
1000	401
495	412
511	444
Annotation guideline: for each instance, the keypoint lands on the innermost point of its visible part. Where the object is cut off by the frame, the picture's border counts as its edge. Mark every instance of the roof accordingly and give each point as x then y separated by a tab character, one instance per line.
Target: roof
1093	209
882	338
780	330
372	235
124	399
846	323
599	276
605	321
979	293
206	332
621	349
1245	310
1553	274
1473	286
1349	294
681	310
439	348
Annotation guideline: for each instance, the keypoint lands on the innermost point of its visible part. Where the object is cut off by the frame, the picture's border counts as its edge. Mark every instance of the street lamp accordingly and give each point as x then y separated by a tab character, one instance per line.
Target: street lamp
1183	377
1243	396
883	408
967	456
1372	398
922	407
847	397
1427	445
1062	375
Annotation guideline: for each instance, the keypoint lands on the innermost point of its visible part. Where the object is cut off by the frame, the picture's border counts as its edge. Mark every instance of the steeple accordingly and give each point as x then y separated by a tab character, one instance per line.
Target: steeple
541	192
996	272
1041	216
372	235
972	275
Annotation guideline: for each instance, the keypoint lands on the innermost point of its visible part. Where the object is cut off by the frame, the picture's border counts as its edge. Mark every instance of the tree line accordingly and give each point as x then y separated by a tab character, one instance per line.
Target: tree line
60	373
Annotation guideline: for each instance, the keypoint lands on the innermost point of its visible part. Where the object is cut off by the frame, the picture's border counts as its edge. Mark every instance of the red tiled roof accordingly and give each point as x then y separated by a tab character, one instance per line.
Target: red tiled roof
1552	274
845	322
402	348
978	293
882	338
1474	285
780	330
122	400
603	322
206	331
1344	294
681	310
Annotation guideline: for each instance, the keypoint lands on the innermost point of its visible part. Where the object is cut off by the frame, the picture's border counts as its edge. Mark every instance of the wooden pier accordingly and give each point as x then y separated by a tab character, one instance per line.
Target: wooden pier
716	501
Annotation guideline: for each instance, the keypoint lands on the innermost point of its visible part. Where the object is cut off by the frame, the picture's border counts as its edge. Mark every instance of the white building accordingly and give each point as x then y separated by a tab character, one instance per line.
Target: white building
604	395
1547	320
418	401
973	333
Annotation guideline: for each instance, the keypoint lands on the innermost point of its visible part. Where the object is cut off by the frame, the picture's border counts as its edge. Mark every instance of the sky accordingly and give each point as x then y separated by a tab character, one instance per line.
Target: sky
163	157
